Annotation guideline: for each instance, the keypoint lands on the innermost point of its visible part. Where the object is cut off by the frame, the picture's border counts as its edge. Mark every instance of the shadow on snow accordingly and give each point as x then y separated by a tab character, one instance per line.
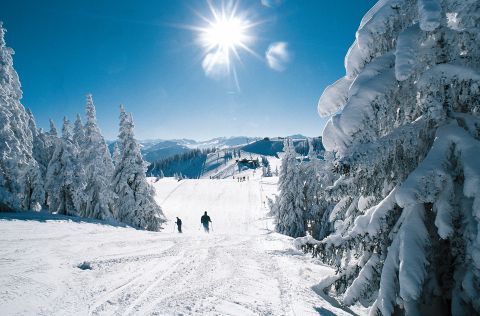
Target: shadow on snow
44	217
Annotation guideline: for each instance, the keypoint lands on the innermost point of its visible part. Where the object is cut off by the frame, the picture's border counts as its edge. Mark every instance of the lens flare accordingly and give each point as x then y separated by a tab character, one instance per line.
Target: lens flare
224	34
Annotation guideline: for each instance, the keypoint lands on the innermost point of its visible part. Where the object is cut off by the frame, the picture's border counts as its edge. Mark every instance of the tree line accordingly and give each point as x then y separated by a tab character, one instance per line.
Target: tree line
189	164
71	172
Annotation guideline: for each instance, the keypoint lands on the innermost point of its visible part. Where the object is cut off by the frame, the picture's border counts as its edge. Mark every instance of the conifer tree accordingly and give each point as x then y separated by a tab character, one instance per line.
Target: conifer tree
135	204
78	132
407	190
117	155
317	178
35	195
61	184
16	138
53	129
289	207
98	167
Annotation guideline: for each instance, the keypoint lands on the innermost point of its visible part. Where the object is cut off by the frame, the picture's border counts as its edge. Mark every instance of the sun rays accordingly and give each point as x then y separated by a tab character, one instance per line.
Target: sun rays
224	34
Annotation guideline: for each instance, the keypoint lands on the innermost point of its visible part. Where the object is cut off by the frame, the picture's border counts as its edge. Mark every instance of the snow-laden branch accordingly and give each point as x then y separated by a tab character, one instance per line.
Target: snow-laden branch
334	97
431	181
375	81
430	14
406	54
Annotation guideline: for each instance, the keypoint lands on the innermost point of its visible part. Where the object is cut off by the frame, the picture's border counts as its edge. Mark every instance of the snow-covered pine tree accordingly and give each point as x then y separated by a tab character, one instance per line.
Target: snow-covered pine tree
161	175
16	161
116	155
405	148
64	186
51	138
35	196
78	132
289	206
8	187
40	143
269	171
317	174
117	151
53	129
135	203
97	163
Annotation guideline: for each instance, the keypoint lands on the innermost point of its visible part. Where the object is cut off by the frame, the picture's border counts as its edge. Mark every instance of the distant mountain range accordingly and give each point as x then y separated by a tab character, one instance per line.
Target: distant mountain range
154	150
157	149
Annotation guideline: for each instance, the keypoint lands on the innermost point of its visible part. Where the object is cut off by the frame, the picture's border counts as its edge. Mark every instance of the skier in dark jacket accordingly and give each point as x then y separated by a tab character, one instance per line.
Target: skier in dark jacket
179	225
205	220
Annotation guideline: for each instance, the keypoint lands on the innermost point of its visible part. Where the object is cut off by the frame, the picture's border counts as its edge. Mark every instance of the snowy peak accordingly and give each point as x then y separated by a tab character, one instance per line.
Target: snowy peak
157	149
224	142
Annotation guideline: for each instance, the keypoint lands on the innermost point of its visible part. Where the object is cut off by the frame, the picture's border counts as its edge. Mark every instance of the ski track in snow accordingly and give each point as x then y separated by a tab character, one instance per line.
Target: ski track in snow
241	268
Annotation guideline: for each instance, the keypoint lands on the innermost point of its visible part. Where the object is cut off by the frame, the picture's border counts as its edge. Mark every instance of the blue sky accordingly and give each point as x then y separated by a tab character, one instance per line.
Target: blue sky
143	55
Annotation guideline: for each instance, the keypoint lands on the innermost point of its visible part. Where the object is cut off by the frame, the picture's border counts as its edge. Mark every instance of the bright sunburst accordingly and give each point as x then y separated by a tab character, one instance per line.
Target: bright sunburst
225	33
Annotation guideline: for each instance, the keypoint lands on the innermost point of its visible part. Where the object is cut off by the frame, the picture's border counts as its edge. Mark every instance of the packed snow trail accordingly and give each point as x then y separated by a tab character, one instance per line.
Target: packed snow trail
242	268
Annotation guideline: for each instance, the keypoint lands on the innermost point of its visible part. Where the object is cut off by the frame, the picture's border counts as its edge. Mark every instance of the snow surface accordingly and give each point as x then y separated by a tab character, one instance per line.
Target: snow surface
57	265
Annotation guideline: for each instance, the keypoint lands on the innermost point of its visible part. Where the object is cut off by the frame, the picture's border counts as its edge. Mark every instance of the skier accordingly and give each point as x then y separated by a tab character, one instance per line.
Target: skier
179	225
205	220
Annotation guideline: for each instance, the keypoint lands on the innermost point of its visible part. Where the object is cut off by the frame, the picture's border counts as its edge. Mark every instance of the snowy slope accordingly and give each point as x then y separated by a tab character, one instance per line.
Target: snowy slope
237	211
241	268
194	166
213	165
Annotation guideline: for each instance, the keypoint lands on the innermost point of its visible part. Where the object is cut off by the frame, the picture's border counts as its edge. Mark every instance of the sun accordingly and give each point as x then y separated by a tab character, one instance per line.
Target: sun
224	34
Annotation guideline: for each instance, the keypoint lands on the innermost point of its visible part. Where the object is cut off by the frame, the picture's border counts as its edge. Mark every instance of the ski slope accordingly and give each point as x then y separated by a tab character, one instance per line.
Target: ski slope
241	268
233	206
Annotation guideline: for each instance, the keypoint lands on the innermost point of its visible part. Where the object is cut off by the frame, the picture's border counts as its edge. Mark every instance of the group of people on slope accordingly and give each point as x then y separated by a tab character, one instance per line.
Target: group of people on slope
242	179
204	220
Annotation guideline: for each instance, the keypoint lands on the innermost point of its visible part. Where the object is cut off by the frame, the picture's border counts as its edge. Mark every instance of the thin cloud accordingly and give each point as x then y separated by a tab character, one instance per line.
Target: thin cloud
278	56
271	3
